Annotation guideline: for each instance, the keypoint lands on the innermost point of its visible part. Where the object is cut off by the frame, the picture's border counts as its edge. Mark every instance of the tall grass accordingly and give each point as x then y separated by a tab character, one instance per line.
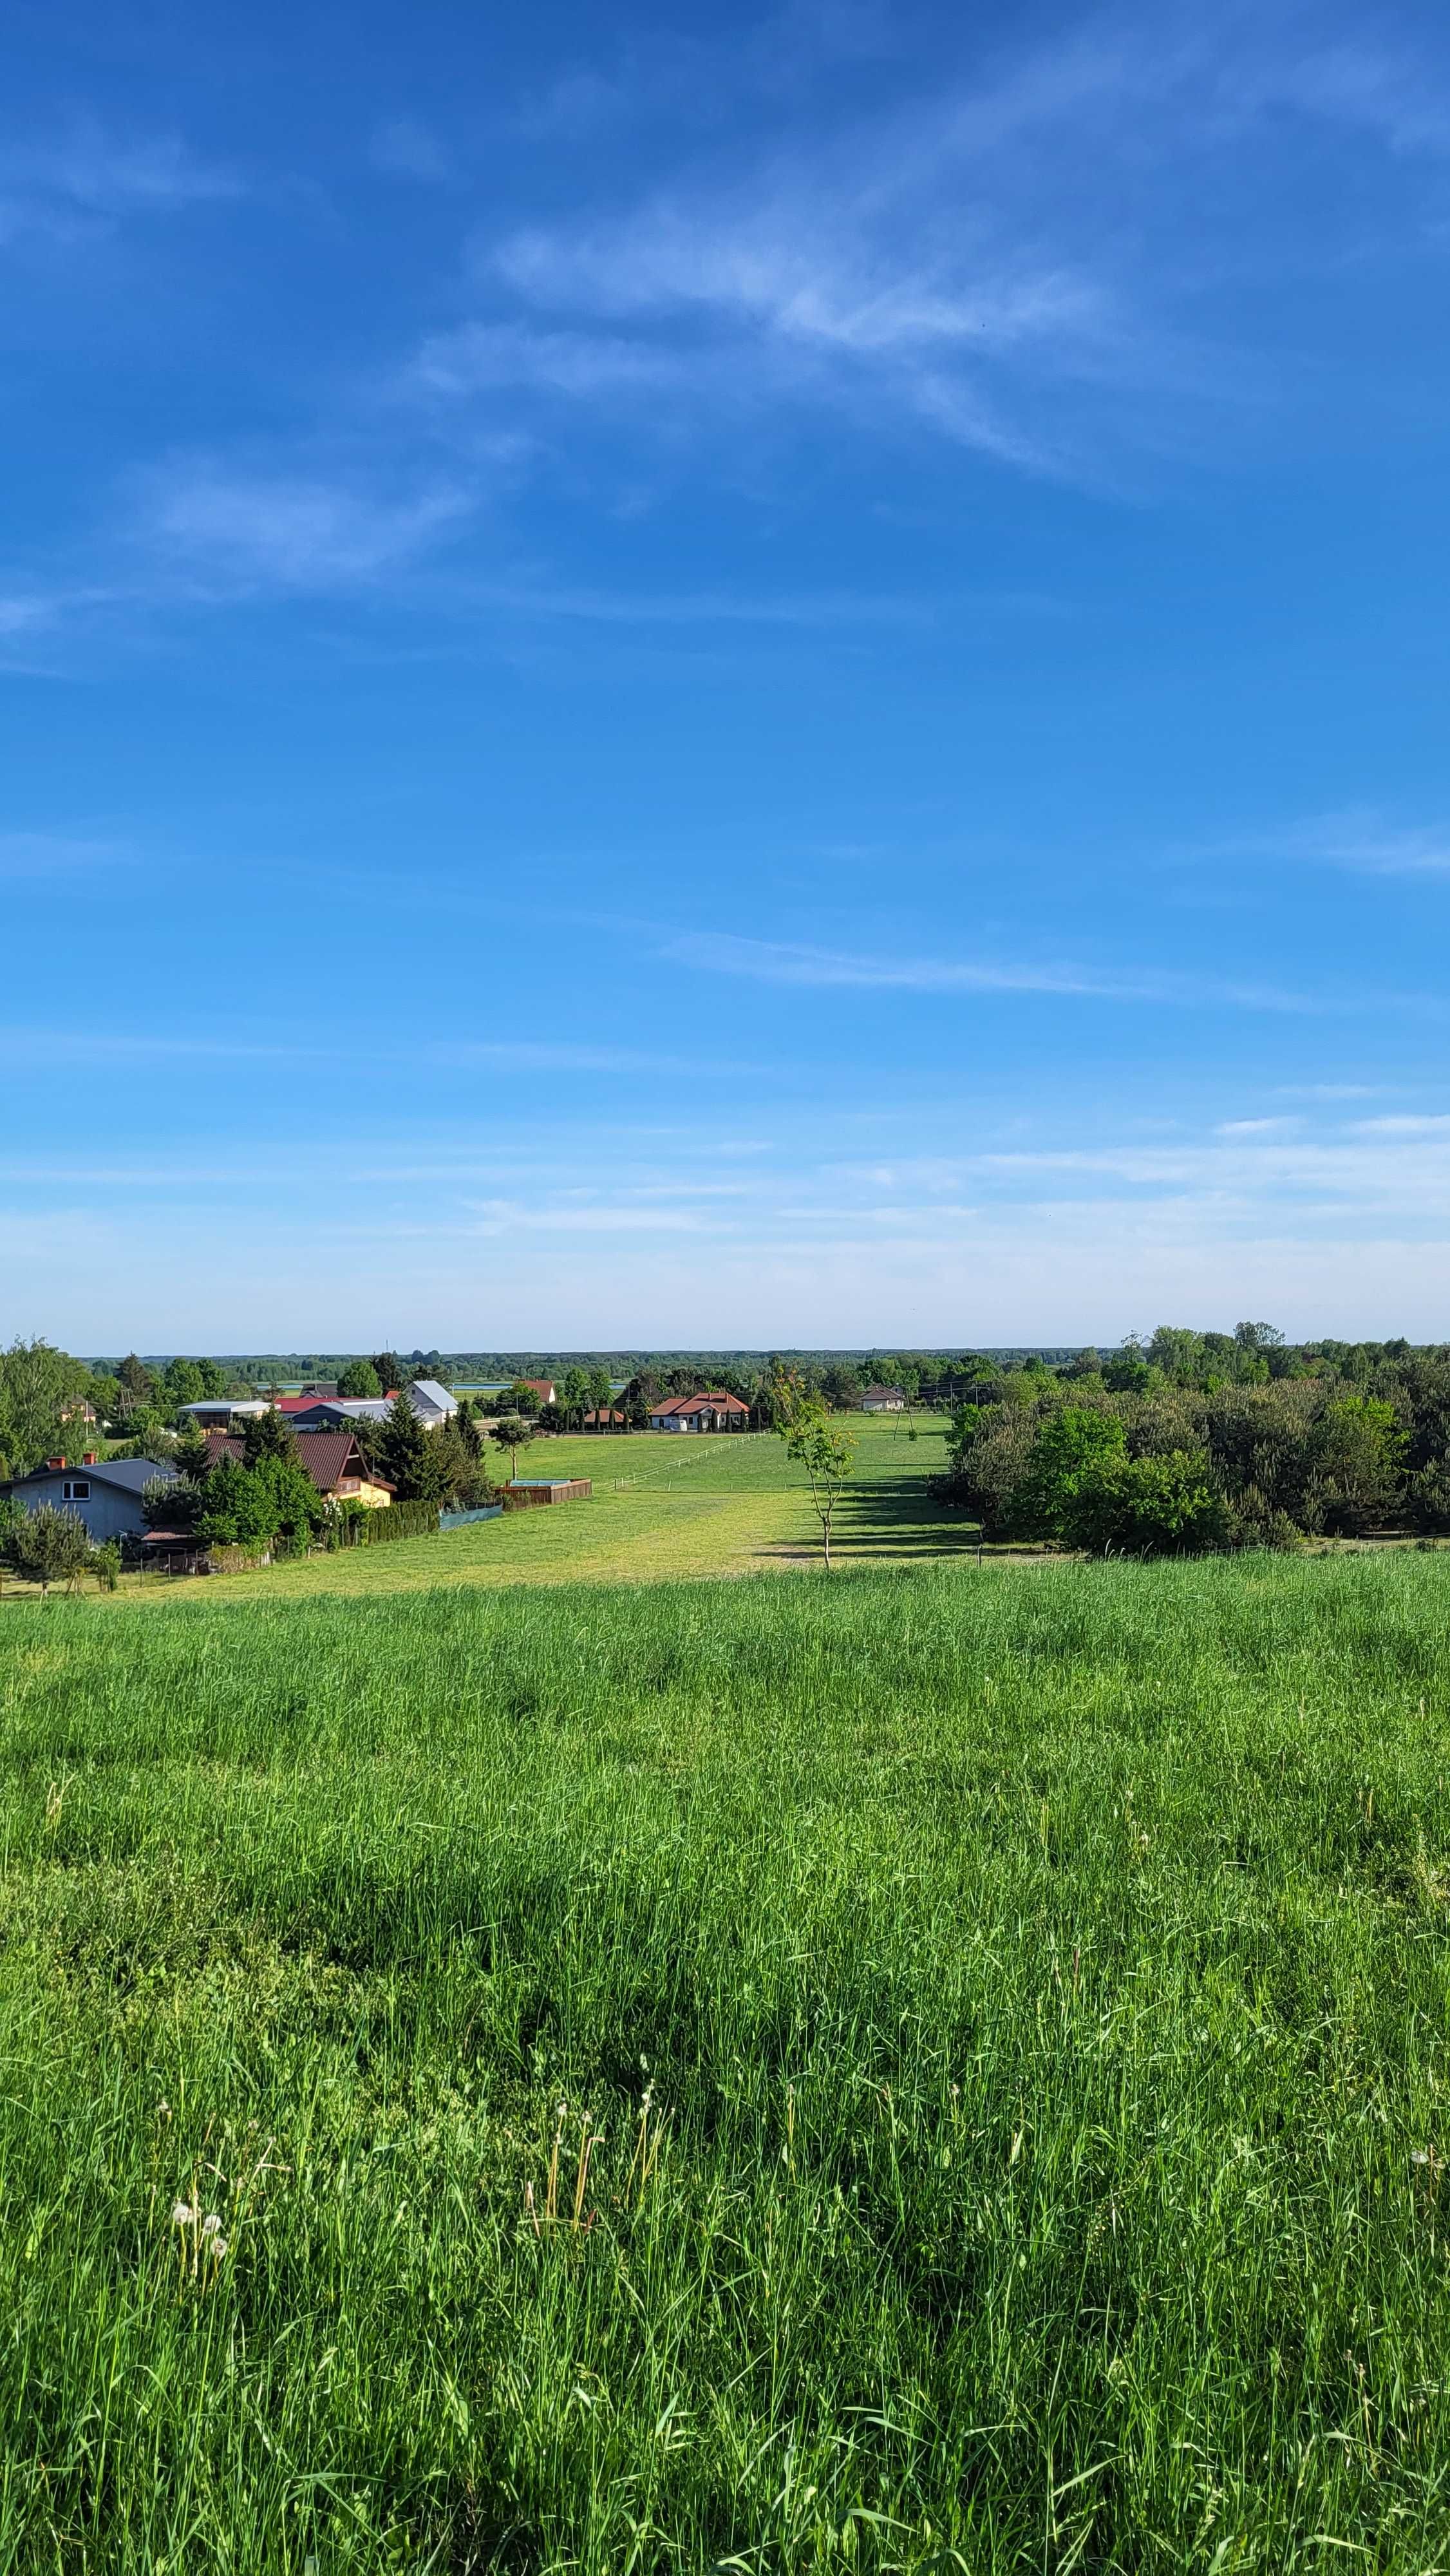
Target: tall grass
910	2073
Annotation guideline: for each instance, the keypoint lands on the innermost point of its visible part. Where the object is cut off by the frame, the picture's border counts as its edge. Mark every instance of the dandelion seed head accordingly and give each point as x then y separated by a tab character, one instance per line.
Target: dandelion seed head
183	2215
211	2224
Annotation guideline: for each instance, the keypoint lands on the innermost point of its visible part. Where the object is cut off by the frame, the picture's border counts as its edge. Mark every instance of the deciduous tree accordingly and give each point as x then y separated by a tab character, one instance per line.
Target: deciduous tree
816	1443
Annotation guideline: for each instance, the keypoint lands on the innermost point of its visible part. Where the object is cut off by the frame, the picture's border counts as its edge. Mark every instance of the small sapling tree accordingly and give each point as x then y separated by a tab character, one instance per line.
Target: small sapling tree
512	1434
816	1443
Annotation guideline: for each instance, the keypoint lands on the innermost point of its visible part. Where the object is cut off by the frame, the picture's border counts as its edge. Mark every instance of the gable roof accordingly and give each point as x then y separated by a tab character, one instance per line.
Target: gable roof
328	1456
129	1474
436	1398
711	1402
895	1393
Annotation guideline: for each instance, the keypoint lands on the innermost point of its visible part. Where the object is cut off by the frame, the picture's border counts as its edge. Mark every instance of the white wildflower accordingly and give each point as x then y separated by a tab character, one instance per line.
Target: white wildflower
183	2215
211	2224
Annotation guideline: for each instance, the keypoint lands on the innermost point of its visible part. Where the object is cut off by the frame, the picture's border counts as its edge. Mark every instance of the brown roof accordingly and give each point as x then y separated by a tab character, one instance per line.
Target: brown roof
328	1457
693	1403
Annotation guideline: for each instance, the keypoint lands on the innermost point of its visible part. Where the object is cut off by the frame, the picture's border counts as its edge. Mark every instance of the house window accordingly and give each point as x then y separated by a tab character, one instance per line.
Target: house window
75	1490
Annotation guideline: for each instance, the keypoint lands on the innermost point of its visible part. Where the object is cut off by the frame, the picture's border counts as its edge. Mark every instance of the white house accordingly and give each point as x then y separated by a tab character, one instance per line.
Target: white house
882	1399
713	1412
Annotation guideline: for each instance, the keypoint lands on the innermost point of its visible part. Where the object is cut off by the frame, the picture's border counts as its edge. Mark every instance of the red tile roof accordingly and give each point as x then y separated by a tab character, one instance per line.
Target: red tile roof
716	1401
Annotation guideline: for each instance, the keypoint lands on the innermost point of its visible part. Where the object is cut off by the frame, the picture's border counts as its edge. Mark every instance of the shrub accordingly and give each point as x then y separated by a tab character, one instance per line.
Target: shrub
47	1546
1156	1506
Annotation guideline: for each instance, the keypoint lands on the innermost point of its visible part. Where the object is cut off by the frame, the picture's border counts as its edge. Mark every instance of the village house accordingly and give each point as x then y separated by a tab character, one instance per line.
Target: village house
711	1412
332	1459
882	1399
107	1499
431	1402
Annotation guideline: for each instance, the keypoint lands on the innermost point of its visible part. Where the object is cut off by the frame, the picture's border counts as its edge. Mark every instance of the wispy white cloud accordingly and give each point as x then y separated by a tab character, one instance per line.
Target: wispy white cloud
782	962
527	1055
985	261
90	176
702	607
221	528
1360	840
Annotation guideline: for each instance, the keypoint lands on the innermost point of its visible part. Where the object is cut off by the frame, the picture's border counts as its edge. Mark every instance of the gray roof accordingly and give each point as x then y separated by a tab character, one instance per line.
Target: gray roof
436	1397
129	1473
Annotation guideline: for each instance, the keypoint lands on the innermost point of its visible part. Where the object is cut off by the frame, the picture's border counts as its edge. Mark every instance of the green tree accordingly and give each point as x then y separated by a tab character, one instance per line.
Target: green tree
1357	1452
1067	1446
512	1434
295	1507
390	1372
136	1382
814	1442
1162	1505
574	1394
841	1386
146	1435
103	1390
48	1546
191	1456
35	1381
600	1394
175	1502
236	1510
267	1435
359	1378
184	1382
407	1457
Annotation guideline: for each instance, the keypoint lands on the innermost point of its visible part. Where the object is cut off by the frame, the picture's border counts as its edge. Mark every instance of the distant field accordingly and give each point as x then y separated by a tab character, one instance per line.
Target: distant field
664	1504
1009	2013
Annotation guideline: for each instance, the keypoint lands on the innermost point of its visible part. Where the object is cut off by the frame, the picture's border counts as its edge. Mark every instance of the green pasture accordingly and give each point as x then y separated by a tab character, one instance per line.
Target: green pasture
934	2070
664	1504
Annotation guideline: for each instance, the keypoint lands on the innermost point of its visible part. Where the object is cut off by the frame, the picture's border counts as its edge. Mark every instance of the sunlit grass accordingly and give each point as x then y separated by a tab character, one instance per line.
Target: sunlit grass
663	1505
921	2071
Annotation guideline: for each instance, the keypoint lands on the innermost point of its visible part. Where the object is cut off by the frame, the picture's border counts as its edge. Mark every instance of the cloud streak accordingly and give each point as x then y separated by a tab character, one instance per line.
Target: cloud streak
783	962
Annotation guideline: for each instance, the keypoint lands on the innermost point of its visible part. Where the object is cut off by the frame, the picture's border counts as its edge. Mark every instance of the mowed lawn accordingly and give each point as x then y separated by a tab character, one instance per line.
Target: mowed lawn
663	1504
918	2072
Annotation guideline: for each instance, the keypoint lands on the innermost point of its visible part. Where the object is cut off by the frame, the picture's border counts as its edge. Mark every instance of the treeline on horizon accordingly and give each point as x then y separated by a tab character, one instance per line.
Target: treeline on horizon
262	1369
1192	1442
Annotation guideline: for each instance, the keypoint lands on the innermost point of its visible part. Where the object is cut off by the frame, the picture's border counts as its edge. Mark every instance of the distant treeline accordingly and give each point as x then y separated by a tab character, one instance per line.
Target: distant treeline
1197	1441
264	1368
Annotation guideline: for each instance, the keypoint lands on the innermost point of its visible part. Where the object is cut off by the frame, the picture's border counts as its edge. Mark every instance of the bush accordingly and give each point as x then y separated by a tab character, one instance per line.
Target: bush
1156	1506
47	1546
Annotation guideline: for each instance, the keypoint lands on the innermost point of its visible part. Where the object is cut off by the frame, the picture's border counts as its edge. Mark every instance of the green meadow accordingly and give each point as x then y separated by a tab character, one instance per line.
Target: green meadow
941	2069
663	1505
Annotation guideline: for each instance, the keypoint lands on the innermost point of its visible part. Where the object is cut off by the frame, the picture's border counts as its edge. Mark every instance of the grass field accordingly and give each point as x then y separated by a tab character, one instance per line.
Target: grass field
662	1505
924	2071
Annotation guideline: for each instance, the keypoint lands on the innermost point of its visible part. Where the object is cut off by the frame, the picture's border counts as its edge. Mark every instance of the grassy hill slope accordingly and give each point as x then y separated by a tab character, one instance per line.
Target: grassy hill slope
910	2073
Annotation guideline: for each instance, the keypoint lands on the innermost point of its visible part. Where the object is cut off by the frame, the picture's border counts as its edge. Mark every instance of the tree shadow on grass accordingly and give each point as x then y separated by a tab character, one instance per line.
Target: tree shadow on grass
892	1517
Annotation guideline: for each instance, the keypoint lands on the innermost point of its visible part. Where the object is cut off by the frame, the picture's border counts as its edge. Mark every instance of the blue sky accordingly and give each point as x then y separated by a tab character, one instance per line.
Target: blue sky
697	677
